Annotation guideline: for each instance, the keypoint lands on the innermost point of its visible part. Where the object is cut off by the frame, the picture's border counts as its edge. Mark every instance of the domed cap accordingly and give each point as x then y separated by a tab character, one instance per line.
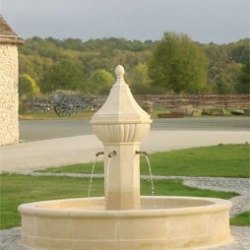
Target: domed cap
120	106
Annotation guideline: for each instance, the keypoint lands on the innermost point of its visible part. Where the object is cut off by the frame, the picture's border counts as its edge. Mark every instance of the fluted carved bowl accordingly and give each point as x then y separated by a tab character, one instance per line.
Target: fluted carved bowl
121	133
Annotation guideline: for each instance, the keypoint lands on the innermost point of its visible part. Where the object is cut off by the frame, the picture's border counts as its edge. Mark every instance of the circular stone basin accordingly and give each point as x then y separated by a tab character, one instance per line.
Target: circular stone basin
161	223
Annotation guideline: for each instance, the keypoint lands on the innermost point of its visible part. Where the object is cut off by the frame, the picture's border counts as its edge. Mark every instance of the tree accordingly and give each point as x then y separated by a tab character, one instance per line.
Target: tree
34	66
38	57
27	86
178	64
140	80
66	75
243	85
223	70
240	50
100	82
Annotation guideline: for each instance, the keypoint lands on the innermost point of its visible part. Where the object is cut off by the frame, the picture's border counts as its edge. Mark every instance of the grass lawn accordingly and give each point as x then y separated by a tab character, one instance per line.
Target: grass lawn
220	160
18	189
242	219
230	160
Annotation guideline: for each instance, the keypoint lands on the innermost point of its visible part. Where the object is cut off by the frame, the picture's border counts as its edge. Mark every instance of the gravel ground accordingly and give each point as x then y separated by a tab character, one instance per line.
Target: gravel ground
10	239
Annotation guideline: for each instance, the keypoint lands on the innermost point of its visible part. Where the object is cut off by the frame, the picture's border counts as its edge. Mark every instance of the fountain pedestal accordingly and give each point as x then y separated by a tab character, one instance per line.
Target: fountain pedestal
121	124
122	185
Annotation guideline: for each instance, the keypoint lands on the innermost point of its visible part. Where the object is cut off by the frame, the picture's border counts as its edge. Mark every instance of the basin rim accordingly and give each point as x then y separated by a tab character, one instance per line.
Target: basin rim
212	205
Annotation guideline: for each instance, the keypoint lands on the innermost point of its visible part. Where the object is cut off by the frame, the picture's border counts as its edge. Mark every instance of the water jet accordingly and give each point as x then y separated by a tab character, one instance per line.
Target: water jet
123	219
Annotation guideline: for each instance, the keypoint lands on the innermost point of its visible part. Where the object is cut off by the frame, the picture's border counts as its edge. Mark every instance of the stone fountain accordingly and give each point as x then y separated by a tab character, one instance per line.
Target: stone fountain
123	219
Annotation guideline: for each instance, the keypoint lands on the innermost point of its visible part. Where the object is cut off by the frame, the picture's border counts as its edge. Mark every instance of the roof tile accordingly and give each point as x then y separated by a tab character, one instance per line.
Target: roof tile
7	35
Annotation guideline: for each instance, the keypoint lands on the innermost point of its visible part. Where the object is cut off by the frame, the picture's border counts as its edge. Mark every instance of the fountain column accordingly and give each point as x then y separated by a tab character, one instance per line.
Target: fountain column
121	124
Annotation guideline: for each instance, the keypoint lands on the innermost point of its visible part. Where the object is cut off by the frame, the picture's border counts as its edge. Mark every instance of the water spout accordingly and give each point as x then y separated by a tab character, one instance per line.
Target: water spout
111	154
99	153
141	153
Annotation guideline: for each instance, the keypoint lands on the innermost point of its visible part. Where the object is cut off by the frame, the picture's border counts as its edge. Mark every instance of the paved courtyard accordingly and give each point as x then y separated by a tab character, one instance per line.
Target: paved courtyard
36	130
80	149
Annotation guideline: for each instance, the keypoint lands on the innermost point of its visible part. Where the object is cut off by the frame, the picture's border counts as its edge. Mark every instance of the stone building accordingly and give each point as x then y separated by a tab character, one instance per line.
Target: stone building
9	126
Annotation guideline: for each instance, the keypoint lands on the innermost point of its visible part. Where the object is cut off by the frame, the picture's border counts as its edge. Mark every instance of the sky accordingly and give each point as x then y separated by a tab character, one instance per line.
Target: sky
218	21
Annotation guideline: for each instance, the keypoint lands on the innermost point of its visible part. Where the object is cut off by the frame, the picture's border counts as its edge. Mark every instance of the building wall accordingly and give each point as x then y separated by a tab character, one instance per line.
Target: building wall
9	125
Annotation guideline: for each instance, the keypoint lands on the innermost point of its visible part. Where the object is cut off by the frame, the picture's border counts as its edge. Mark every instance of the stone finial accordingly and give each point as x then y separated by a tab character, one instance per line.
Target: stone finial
119	71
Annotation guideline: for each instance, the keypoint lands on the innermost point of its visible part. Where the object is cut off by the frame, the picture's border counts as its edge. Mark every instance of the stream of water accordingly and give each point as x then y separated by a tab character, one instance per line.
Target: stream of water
91	177
107	176
150	175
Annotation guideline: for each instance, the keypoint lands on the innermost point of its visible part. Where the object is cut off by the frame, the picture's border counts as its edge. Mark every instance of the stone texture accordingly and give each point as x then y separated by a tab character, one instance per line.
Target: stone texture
9	128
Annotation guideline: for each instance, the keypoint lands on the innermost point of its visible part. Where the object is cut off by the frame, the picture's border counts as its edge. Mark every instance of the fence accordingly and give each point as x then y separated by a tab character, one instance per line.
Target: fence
215	101
167	101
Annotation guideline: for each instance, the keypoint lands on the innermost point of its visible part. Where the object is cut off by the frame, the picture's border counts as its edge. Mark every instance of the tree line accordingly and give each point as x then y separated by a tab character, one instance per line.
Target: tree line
175	64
